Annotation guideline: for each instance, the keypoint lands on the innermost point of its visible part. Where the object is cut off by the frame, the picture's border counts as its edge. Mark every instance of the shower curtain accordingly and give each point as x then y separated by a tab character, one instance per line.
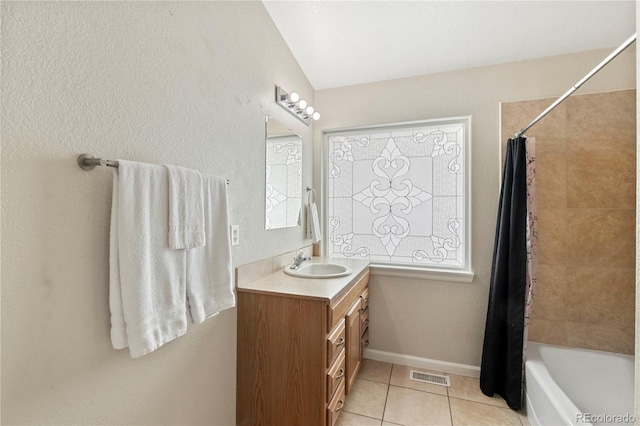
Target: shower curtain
513	276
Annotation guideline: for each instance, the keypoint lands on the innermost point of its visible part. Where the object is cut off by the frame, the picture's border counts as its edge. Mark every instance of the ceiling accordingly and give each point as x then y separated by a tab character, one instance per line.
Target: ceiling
341	43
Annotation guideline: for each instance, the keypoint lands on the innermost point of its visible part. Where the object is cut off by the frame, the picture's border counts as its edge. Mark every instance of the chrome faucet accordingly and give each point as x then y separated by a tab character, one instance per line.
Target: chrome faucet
297	261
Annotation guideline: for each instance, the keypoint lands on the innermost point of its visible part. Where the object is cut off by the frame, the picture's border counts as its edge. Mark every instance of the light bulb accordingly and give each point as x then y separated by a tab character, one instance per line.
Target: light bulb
294	97
316	115
309	110
302	104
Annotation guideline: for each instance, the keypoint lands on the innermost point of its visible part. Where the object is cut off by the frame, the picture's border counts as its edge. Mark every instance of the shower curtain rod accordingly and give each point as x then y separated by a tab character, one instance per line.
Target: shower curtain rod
580	83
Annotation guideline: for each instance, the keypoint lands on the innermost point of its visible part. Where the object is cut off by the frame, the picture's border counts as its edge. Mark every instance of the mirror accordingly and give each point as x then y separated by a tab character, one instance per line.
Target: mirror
283	176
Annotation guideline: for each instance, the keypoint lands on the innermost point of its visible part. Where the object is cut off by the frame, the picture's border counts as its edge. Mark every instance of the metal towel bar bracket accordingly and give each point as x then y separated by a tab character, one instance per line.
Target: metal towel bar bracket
89	162
310	192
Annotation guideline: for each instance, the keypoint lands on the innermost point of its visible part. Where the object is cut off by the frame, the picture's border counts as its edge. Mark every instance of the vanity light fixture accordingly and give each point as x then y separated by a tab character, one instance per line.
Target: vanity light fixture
296	106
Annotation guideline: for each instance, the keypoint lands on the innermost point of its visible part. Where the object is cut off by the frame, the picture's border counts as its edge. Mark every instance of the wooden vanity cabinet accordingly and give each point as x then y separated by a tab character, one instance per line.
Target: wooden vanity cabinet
364	324
297	356
353	356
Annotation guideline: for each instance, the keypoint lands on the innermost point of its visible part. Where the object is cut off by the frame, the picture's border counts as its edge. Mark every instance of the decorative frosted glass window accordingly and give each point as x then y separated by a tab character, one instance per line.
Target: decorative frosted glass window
399	194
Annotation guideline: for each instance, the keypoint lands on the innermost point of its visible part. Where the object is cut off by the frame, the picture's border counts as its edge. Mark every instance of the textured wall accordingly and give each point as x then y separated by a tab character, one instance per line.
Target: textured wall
637	375
184	83
585	180
444	320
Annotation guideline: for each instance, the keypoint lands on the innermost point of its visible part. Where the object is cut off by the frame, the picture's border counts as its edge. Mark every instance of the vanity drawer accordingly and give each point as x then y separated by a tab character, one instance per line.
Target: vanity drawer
336	404
339	310
365	298
364	318
335	342
364	342
335	376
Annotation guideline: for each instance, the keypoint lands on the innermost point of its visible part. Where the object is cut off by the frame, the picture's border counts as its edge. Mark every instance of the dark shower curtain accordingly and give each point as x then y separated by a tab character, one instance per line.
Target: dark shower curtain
502	352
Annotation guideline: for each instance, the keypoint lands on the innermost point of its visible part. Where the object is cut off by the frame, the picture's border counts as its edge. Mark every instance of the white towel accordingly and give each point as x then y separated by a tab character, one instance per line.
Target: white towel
209	278
147	293
313	223
186	209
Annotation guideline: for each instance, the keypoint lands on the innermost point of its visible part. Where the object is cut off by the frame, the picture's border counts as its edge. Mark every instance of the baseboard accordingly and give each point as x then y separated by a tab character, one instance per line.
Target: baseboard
426	363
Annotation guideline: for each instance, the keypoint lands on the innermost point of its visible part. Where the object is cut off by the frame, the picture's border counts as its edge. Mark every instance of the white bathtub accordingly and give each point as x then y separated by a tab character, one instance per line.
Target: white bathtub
567	386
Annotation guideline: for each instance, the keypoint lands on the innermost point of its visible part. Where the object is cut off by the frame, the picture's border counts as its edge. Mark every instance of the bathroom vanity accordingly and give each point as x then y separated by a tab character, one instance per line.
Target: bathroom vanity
300	345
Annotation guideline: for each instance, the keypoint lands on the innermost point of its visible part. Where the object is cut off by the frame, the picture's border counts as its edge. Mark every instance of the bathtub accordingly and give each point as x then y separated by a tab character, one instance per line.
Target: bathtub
567	386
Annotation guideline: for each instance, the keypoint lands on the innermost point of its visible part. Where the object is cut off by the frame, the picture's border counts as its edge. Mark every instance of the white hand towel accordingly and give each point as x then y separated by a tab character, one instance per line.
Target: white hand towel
147	279
186	208
313	223
209	277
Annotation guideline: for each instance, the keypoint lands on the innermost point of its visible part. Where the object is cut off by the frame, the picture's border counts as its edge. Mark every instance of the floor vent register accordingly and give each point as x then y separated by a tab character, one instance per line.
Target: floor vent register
434	379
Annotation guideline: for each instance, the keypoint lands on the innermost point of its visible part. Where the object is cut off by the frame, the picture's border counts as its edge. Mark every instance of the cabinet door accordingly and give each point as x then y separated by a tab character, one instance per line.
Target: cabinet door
353	347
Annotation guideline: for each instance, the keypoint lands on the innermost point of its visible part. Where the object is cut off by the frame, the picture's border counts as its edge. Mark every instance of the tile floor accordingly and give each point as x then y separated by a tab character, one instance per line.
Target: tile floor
383	395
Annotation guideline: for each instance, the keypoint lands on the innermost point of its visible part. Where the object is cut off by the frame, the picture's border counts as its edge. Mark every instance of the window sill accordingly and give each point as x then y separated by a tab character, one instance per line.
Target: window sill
421	273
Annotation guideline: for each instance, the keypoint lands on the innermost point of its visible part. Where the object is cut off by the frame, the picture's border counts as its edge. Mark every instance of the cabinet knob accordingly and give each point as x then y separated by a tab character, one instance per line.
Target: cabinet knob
341	406
340	374
340	342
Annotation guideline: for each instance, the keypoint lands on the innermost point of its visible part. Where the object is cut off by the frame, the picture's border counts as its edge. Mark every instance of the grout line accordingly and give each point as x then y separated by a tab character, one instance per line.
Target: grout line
449	403
423	391
361	415
449	387
386	398
372	381
480	402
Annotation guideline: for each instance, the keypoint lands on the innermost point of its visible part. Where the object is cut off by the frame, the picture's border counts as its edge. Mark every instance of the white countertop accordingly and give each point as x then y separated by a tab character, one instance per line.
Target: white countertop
315	288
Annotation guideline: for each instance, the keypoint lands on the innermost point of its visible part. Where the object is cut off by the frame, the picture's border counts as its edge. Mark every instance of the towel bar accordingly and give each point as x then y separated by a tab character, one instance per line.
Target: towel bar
89	162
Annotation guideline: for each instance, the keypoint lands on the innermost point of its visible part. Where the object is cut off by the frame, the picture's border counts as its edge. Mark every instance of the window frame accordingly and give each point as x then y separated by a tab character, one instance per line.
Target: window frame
462	274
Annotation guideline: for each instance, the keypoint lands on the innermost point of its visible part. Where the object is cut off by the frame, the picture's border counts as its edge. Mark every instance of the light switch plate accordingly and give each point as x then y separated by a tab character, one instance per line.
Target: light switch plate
235	235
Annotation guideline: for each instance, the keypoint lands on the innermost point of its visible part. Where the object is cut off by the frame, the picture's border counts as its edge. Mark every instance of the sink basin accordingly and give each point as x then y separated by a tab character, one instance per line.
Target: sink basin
319	270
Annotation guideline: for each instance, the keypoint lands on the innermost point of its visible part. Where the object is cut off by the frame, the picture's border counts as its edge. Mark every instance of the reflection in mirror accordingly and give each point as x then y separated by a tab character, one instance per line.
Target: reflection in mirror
284	176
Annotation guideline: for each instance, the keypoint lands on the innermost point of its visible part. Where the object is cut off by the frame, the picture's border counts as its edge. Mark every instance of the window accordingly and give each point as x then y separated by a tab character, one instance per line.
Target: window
398	195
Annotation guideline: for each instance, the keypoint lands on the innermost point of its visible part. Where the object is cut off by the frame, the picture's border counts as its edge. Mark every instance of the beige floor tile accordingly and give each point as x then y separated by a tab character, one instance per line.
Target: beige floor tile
350	419
366	398
400	377
469	388
475	414
376	371
523	418
412	407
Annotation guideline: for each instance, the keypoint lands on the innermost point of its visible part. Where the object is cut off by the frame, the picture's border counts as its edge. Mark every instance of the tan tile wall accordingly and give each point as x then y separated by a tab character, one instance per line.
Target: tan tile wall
586	166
